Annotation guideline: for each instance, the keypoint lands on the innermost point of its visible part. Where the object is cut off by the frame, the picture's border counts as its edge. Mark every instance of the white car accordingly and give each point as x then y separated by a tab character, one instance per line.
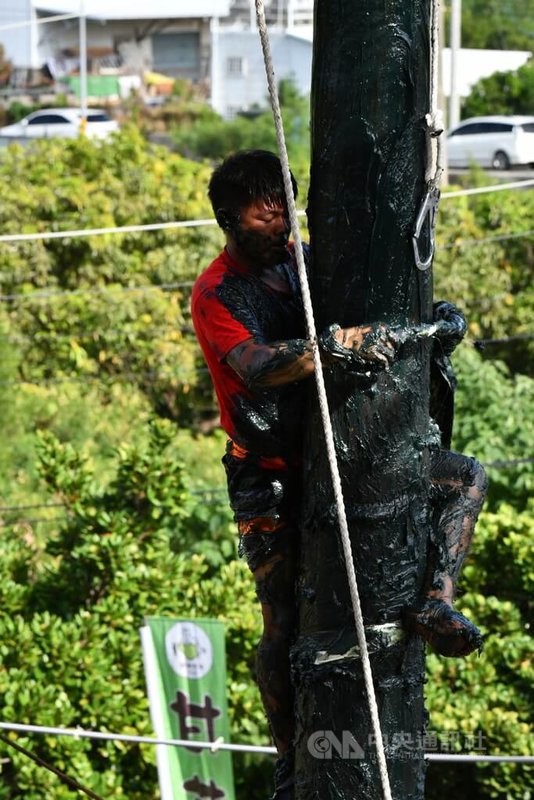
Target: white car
498	142
63	122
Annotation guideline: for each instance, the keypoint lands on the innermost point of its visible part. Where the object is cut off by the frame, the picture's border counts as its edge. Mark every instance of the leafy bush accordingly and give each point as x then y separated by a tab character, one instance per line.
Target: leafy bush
85	372
70	649
502	93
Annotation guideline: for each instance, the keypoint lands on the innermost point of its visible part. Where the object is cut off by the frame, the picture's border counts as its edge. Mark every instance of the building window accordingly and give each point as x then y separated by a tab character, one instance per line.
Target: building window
232	112
235	65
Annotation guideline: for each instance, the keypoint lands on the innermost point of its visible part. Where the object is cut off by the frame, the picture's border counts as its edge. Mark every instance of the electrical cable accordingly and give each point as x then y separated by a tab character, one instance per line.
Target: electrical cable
501	187
221	745
485	239
49	293
518	337
126	377
74	234
42	763
42	337
38	21
500	463
169	287
196	223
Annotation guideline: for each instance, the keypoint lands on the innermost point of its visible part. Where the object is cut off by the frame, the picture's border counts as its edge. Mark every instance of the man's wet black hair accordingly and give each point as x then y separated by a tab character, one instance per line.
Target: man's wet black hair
242	178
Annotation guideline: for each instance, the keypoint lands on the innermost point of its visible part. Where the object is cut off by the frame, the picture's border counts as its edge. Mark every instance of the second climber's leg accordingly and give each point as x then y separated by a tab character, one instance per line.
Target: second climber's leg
459	487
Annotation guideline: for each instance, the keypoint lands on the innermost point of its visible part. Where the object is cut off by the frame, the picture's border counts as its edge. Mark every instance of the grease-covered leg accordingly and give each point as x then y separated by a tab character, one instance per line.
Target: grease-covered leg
459	486
272	559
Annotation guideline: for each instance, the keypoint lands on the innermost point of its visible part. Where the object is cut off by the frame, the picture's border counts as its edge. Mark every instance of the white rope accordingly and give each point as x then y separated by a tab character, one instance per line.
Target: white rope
83	733
323	403
220	744
434	119
198	223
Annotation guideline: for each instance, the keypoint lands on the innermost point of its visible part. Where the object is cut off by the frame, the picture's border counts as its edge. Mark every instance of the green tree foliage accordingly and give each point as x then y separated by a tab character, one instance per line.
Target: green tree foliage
494	420
497	25
488	274
490	697
104	330
214	139
502	93
89	377
72	608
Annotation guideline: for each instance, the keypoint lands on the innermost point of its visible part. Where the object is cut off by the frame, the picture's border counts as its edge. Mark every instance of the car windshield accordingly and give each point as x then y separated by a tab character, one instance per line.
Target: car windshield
100	117
528	127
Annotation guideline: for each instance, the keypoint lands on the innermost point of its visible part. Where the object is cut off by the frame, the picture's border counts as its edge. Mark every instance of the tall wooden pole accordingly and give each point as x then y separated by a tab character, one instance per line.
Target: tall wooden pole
370	94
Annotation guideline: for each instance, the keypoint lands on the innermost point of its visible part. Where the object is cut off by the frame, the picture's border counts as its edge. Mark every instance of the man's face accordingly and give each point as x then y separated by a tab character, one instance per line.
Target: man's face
262	233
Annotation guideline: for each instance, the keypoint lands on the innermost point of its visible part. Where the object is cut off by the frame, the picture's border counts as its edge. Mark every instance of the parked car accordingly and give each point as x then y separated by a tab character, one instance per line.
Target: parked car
62	122
498	142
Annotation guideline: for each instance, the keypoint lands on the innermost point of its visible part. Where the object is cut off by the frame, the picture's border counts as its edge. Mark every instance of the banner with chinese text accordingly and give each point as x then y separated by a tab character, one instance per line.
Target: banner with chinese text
185	669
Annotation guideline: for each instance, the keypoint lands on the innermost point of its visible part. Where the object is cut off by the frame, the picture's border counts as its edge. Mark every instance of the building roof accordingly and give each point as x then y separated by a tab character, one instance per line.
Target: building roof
137	9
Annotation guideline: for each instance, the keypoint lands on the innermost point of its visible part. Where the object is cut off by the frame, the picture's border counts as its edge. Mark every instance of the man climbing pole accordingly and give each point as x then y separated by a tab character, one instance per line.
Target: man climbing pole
248	316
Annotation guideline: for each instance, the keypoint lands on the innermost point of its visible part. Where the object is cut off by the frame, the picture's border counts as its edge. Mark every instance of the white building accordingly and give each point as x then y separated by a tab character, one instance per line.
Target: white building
238	79
213	42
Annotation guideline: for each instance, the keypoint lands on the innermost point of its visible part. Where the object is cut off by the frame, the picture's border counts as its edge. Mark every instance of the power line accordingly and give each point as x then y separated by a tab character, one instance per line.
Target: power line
48	293
204	492
509	462
32	521
32	506
45	294
196	223
74	234
126	377
488	189
220	745
474	242
208	491
66	779
155	378
518	337
94	333
45	336
38	21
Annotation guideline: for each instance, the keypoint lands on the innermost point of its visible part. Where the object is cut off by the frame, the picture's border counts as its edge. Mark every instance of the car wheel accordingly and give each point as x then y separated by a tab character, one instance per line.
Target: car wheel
500	160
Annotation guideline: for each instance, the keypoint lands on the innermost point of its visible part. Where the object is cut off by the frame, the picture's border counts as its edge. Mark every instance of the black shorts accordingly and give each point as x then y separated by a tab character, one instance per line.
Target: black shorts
266	505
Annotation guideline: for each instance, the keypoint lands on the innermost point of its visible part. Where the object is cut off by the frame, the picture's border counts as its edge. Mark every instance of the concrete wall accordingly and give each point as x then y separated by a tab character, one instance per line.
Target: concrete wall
240	91
16	42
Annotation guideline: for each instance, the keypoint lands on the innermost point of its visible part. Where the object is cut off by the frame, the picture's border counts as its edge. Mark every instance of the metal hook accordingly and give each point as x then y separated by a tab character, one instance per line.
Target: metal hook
429	209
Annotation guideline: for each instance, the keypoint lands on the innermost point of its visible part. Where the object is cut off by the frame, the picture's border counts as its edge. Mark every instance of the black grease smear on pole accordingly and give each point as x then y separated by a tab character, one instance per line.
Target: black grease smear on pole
370	90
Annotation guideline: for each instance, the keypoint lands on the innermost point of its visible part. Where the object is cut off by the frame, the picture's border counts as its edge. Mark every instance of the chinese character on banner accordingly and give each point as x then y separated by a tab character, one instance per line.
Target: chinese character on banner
187	710
185	669
202	790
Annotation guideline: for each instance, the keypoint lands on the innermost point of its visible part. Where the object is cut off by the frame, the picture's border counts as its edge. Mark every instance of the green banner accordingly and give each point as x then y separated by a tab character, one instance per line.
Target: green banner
185	669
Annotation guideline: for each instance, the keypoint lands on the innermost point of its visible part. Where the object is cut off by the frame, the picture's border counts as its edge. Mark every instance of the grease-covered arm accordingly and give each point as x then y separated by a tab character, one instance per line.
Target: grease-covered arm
263	366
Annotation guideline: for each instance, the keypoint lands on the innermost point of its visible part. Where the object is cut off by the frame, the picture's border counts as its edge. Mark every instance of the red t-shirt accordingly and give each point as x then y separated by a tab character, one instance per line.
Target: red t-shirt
230	305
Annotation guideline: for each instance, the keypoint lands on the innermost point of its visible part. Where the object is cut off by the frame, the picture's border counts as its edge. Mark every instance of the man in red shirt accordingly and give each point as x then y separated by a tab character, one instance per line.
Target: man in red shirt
249	320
